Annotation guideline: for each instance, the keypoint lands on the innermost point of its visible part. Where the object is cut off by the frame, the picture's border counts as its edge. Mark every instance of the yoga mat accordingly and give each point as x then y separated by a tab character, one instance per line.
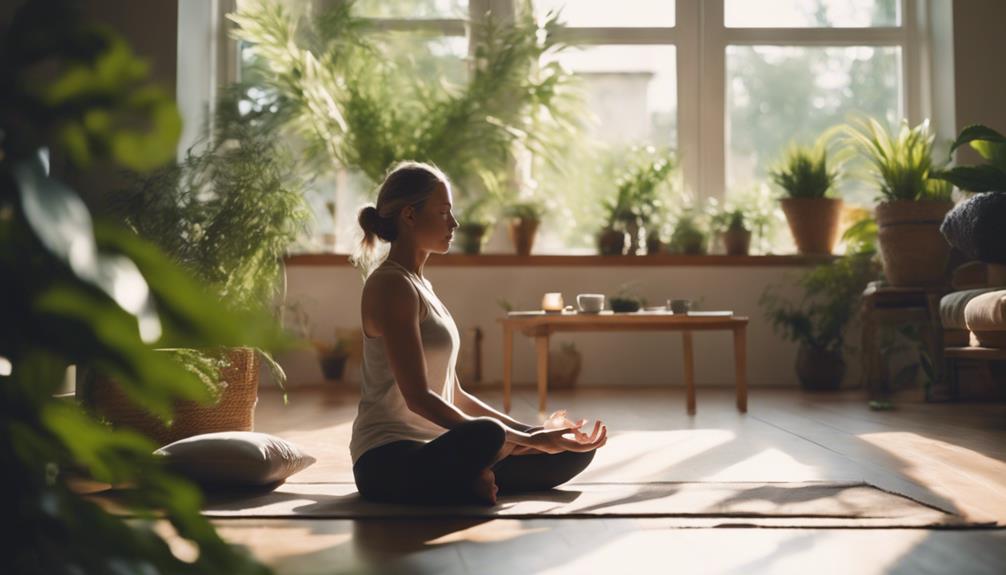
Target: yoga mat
784	504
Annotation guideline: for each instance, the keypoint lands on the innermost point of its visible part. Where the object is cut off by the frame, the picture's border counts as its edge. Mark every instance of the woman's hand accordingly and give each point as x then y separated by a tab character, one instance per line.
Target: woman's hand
556	440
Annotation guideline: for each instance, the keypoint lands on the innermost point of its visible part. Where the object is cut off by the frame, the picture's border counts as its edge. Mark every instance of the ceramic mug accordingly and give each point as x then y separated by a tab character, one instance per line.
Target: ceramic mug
590	302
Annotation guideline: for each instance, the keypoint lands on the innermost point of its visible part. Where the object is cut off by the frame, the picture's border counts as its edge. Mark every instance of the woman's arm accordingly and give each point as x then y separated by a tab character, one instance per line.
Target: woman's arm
472	405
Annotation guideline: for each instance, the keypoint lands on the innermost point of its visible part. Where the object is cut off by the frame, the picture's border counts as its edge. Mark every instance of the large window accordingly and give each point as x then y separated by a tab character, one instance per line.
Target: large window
727	84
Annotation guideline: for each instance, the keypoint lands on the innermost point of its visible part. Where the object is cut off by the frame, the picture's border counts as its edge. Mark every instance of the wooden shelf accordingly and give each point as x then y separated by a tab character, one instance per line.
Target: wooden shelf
975	353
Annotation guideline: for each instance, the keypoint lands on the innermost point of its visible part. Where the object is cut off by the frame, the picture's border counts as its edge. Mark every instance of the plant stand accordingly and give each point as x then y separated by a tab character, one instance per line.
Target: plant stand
893	306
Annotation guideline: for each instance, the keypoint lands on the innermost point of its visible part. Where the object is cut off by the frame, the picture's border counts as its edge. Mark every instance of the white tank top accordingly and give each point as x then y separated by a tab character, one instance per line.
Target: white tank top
383	416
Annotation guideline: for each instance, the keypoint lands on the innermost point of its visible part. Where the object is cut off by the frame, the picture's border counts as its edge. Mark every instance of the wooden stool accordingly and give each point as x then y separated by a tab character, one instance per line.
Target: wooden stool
885	305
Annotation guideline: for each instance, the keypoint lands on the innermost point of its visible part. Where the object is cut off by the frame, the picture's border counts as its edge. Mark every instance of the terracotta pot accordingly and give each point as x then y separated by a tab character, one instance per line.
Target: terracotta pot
813	223
522	232
819	369
911	246
736	242
234	410
611	242
471	238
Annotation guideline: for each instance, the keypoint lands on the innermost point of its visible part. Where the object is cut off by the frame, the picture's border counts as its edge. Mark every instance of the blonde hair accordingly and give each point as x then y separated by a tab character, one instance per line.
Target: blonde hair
408	183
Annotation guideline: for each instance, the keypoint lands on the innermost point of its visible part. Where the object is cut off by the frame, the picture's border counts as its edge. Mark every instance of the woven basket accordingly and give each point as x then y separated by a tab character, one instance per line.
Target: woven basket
233	412
913	250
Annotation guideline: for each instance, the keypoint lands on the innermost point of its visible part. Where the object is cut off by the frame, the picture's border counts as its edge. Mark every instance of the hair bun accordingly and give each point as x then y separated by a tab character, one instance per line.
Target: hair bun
375	225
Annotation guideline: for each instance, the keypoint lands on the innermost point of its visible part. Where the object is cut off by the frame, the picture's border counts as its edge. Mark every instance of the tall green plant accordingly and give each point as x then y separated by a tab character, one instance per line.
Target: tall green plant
805	173
91	294
227	212
902	162
367	112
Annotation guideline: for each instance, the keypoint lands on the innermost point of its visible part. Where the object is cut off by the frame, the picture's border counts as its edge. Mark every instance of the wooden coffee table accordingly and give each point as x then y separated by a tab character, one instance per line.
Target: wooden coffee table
540	326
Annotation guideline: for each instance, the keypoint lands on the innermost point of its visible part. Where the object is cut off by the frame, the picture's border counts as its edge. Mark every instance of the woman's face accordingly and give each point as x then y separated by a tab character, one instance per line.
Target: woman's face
433	226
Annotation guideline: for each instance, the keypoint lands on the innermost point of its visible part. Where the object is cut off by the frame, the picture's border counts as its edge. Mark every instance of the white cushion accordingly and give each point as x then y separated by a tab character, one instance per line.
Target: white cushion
986	312
235	458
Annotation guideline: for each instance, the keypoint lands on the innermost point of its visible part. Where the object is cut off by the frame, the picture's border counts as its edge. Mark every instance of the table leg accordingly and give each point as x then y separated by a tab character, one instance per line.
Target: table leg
542	345
741	367
689	357
507	366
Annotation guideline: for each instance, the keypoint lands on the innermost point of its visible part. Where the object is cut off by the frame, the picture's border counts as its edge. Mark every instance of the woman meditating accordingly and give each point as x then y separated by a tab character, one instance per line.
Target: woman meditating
418	437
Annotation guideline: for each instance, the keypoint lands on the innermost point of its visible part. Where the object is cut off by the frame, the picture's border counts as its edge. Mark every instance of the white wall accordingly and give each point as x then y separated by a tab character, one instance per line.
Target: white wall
331	296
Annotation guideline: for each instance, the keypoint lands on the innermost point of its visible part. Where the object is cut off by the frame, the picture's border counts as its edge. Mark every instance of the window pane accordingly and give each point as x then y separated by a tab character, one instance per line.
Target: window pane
630	99
778	95
608	14
811	13
412	8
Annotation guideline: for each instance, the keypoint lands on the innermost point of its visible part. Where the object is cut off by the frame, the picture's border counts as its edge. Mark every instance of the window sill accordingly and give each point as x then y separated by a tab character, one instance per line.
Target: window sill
513	260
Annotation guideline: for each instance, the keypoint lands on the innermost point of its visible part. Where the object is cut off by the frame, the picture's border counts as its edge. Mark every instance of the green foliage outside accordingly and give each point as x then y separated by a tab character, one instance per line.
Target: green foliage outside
89	293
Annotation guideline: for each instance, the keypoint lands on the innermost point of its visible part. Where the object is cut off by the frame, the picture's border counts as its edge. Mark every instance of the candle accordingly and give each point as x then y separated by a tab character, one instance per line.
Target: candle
552	302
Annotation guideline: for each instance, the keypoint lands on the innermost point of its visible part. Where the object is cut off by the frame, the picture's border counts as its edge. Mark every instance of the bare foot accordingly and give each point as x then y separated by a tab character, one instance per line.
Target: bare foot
485	486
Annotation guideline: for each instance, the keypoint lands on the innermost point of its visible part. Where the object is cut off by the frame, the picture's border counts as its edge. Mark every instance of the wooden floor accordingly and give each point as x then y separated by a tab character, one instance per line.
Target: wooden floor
950	455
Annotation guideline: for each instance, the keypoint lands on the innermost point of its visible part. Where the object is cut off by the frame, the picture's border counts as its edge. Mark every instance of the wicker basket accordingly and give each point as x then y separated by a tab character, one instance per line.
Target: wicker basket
233	412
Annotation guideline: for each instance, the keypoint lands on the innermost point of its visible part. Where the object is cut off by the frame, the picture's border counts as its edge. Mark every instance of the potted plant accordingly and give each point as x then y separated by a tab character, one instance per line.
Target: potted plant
226	214
807	180
524	219
817	323
475	220
637	204
612	239
731	225
689	236
973	225
332	358
625	300
912	202
89	292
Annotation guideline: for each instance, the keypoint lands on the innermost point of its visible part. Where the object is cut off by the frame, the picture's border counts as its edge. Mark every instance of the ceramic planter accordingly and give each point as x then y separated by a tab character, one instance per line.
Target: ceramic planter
522	233
813	223
913	250
819	369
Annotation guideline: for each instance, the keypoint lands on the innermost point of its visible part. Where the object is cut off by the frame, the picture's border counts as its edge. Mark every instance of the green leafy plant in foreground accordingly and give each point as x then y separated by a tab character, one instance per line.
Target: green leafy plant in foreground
987	177
92	294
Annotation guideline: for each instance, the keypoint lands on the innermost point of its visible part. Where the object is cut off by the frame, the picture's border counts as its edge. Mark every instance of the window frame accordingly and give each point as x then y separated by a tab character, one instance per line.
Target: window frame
700	37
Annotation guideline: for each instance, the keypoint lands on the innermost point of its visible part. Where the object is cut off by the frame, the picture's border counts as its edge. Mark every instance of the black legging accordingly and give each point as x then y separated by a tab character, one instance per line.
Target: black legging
443	470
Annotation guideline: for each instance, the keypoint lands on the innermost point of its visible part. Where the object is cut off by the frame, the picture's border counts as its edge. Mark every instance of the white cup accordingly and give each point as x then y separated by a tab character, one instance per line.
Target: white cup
590	302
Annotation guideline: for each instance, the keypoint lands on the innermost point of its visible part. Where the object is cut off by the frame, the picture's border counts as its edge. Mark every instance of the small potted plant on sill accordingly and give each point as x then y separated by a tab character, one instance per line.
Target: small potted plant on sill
638	204
475	219
731	225
912	202
689	236
524	218
612	239
807	181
